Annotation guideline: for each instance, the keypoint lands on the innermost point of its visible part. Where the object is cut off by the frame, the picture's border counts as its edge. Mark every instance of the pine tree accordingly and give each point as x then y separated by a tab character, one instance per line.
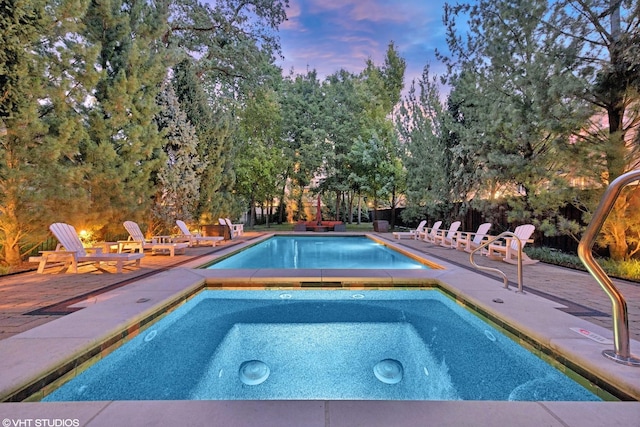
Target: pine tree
44	79
420	126
214	127
512	85
178	182
125	144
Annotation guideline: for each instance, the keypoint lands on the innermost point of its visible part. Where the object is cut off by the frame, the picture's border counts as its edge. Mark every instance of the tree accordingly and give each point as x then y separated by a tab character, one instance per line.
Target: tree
260	161
373	166
419	123
604	36
303	134
342	122
214	126
43	81
514	82
178	182
379	91
228	40
125	143
222	48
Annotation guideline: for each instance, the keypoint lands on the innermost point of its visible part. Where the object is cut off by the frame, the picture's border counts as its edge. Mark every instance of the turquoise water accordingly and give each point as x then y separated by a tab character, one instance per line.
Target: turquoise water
339	344
293	252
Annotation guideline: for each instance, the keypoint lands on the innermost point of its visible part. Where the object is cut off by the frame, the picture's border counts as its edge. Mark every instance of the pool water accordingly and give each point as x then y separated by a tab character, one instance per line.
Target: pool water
294	252
339	344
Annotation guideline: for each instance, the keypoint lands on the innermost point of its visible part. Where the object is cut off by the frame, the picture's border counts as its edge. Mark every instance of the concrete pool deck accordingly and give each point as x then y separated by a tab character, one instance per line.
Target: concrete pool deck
571	300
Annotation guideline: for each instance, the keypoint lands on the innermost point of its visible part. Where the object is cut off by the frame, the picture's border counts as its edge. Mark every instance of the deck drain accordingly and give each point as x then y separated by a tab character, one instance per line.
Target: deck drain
141	300
254	372
389	371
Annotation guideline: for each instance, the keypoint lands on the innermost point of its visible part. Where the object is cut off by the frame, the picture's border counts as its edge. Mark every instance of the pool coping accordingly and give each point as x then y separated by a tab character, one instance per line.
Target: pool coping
98	326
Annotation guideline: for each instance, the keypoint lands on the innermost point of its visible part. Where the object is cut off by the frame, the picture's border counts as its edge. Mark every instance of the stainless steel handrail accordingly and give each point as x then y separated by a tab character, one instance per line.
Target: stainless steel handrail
504	276
621	352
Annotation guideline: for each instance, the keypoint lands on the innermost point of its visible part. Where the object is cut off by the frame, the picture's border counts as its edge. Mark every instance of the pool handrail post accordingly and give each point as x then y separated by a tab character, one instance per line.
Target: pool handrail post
504	276
621	352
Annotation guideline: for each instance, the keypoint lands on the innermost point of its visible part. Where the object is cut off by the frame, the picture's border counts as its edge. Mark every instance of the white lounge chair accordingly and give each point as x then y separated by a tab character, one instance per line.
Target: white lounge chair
508	252
428	234
71	251
226	222
469	241
194	239
412	234
445	238
238	228
137	242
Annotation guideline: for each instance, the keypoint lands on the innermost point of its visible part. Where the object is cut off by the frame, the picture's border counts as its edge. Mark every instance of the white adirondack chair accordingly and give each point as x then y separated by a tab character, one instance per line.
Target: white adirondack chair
194	239
226	222
508	252
71	251
238	228
137	242
445	238
468	241
412	234
428	234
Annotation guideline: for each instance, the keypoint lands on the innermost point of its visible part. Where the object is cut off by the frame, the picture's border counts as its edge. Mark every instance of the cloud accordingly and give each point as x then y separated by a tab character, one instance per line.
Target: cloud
329	35
362	10
293	18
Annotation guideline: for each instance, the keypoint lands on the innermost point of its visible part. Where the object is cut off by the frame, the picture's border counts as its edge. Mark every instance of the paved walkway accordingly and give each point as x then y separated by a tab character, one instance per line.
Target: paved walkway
29	299
577	290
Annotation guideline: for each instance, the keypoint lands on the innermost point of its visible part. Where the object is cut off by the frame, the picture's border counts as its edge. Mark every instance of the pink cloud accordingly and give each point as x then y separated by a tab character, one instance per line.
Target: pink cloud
293	15
369	10
328	35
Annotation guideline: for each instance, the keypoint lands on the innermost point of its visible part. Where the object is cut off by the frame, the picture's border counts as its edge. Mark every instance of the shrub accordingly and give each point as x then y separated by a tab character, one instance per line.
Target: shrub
629	270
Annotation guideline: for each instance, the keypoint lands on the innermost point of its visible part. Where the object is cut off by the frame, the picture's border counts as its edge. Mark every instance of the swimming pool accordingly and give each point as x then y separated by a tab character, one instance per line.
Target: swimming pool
340	344
298	252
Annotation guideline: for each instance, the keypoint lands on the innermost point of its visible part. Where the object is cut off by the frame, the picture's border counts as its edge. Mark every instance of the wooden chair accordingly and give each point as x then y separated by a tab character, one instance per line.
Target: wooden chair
469	241
194	239
428	234
71	251
137	242
412	234
446	238
508	252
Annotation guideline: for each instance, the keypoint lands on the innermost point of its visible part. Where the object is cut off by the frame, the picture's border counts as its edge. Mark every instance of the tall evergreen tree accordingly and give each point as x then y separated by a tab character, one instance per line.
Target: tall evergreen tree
125	141
178	181
214	126
515	78
45	74
419	123
379	91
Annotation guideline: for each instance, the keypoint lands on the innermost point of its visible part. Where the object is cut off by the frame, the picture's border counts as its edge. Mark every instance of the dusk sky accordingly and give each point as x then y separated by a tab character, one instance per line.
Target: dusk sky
327	35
